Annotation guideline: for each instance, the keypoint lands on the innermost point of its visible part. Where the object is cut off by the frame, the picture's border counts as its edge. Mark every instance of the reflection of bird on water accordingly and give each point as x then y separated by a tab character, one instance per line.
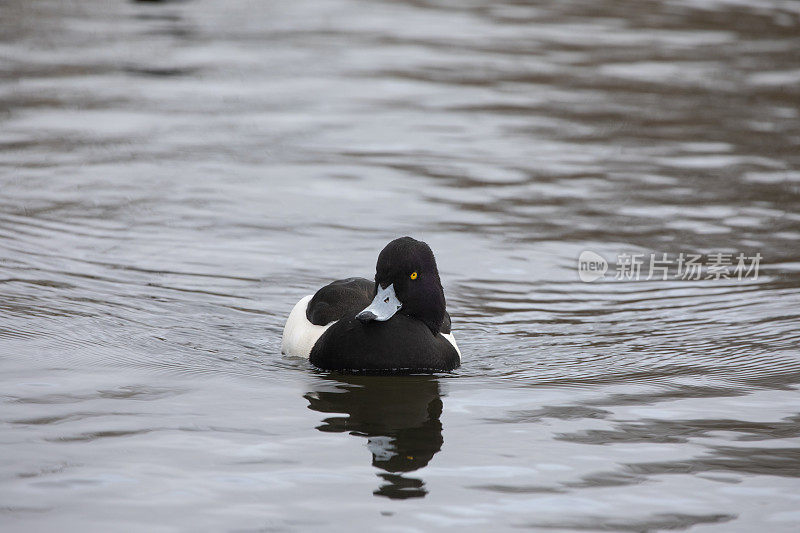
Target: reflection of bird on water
399	416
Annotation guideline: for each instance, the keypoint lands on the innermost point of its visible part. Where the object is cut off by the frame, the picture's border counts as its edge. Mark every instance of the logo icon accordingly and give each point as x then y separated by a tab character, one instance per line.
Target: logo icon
591	266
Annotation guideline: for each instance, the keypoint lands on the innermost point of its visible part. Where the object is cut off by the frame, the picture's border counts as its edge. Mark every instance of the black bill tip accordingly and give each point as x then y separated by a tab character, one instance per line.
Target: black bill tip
366	316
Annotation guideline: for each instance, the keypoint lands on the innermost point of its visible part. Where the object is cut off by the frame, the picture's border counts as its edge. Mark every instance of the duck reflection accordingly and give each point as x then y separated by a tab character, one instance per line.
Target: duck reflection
399	417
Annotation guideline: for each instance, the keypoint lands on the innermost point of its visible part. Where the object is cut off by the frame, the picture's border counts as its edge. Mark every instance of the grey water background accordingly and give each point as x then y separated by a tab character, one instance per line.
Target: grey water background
175	176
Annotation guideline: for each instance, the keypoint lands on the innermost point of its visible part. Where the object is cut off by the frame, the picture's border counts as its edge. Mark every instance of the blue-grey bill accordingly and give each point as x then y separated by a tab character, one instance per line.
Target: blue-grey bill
383	306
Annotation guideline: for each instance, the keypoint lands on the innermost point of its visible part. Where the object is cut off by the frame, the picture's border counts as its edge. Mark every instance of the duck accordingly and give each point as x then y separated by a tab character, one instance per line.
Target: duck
397	323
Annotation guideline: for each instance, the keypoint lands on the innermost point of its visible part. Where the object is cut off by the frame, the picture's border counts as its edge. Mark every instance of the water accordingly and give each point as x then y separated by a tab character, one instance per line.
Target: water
175	176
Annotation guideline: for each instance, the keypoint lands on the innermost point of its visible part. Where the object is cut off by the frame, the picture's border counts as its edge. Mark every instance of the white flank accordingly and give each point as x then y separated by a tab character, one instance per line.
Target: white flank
300	335
452	340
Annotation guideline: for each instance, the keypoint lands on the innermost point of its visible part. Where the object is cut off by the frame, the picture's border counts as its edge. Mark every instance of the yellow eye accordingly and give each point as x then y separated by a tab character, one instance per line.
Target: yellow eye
413	275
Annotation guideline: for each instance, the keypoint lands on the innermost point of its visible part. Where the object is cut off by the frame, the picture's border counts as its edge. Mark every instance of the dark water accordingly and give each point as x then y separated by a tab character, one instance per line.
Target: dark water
175	176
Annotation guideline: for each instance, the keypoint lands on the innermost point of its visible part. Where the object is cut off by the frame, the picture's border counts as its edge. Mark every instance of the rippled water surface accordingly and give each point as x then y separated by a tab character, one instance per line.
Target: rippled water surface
175	176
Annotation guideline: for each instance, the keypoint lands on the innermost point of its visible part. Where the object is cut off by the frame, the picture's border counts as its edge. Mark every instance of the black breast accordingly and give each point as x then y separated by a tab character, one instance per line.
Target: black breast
344	297
401	344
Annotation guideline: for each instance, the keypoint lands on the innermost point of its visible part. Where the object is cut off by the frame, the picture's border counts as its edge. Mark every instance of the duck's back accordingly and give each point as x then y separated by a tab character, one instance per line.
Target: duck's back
339	299
312	315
